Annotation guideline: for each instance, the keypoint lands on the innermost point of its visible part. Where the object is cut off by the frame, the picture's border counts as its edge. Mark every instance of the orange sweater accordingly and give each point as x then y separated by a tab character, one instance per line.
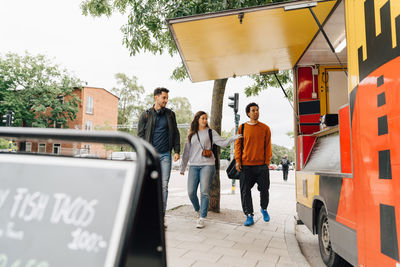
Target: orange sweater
256	145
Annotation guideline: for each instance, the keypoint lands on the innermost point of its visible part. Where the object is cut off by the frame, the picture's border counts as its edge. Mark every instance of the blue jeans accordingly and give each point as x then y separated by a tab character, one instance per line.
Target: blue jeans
204	176
165	160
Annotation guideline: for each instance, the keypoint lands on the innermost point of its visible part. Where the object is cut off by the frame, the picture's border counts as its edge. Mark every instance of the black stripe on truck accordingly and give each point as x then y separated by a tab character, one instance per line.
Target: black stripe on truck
389	242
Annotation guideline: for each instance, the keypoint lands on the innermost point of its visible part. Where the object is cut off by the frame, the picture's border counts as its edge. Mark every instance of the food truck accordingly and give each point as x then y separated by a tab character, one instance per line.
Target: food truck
345	60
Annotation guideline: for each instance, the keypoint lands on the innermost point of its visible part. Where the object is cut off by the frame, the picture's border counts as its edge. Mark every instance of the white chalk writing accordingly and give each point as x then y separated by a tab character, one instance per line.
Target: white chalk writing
78	212
29	206
3	196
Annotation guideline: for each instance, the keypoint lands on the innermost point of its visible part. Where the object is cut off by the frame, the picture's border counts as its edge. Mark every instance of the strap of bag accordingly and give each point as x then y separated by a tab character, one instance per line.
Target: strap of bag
210	136
241	143
199	140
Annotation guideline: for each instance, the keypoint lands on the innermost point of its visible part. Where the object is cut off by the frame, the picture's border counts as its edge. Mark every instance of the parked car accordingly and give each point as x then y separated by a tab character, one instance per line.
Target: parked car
272	166
279	167
122	155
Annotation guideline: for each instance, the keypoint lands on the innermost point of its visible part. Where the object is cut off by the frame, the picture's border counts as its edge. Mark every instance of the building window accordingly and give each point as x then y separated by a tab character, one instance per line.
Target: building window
28	147
86	149
88	125
42	148
57	149
89	105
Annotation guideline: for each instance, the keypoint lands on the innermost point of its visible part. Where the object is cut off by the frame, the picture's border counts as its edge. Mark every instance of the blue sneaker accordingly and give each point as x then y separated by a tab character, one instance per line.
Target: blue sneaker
249	221
265	215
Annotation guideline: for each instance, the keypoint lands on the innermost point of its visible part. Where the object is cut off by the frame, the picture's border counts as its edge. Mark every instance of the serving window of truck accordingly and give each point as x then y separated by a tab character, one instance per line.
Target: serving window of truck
345	58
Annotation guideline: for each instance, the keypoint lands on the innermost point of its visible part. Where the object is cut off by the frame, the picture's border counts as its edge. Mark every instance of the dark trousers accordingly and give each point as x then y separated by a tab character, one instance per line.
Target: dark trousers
285	173
248	177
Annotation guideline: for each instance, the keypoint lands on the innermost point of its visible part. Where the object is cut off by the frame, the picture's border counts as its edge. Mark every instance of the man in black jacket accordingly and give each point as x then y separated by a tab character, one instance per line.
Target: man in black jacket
158	126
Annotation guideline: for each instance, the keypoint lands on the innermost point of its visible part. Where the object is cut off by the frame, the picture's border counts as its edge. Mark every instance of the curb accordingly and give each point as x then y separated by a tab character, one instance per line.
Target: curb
291	242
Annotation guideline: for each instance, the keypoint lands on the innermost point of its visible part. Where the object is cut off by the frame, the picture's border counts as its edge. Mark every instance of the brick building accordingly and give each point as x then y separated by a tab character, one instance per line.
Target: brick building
98	110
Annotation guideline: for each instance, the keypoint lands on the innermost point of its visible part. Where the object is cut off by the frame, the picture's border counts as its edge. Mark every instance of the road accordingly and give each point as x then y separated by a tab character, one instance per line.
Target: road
280	192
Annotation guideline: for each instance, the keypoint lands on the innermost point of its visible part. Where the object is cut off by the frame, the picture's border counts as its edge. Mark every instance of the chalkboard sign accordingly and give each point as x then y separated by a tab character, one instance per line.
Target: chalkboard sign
62	211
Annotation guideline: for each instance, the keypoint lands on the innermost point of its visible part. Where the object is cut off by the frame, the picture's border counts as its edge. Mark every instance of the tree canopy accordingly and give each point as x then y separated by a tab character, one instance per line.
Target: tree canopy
146	28
38	91
130	95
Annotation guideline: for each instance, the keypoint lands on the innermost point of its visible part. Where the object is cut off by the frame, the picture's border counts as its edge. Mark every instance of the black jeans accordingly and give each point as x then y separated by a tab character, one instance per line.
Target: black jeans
285	173
248	177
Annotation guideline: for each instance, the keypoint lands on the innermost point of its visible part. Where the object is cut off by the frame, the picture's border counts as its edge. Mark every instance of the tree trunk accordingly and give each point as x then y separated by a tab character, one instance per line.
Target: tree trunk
215	123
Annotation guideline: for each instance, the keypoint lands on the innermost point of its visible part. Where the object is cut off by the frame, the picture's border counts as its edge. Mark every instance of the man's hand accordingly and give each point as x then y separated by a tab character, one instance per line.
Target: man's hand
238	166
182	173
176	156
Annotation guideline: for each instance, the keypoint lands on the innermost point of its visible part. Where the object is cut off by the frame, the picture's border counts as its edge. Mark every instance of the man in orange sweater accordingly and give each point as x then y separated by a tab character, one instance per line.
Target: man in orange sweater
252	160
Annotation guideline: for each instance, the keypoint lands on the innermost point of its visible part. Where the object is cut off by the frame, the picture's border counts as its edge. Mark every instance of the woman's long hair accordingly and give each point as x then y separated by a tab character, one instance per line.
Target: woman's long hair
194	126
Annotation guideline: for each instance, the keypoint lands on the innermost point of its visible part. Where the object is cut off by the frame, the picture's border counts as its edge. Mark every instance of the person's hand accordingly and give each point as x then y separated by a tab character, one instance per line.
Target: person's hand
237	136
182	173
238	166
176	156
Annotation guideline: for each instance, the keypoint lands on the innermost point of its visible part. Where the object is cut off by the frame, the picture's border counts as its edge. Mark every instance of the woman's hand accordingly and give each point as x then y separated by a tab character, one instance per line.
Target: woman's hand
237	136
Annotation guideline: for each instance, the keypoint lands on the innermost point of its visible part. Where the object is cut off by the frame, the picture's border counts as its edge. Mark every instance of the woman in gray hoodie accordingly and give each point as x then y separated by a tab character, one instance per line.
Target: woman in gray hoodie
202	164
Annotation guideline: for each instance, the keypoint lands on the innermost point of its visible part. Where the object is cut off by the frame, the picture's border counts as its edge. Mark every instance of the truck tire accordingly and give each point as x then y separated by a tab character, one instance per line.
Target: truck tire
329	257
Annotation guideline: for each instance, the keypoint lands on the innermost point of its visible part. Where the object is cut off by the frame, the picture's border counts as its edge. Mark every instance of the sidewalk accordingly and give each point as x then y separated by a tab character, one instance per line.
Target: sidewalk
226	242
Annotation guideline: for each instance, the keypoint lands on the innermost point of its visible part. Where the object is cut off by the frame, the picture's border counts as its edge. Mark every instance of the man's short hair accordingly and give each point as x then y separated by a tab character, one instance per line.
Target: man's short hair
160	90
252	104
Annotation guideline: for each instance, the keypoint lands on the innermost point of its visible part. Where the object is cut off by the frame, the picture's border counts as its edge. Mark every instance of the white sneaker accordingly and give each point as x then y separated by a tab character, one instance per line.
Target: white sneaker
200	223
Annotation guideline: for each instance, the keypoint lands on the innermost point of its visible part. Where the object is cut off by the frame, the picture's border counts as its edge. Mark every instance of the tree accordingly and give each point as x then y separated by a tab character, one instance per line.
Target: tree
146	30
183	112
39	92
130	103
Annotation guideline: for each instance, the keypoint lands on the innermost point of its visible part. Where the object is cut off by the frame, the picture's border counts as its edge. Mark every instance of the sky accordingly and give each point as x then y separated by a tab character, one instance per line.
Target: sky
92	49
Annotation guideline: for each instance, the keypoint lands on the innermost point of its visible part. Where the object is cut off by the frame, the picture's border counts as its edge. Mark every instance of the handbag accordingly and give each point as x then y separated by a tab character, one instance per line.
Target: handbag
231	170
206	152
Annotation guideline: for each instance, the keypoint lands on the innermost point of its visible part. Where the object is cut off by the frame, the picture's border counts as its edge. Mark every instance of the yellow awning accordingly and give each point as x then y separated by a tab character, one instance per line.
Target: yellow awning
217	45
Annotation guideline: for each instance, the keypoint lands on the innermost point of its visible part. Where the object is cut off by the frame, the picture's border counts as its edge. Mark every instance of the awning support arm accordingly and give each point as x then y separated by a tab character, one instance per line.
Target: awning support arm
283	90
327	39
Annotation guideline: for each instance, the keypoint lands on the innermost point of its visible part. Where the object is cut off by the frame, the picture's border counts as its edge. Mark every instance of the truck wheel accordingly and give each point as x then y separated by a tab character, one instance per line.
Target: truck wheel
329	257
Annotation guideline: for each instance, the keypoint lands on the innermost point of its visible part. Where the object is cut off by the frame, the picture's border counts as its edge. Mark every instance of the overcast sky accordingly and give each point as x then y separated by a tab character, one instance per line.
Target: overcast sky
91	48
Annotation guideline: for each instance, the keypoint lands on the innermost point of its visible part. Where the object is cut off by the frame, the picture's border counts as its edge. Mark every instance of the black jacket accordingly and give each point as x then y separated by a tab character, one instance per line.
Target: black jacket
147	122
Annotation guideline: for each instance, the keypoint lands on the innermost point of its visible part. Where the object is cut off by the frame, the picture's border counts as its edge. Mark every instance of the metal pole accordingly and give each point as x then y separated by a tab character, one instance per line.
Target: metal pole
237	119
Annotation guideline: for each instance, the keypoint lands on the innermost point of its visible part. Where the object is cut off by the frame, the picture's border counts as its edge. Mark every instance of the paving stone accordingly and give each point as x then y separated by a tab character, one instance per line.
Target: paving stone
219	242
265	264
239	237
228	251
261	235
190	237
237	262
179	262
249	247
203	247
176	252
277	251
261	256
202	256
207	264
172	242
262	242
277	243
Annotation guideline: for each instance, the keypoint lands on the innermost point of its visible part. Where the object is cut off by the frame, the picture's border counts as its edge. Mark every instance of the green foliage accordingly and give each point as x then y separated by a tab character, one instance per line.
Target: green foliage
279	151
38	91
262	82
226	151
130	103
183	112
3	143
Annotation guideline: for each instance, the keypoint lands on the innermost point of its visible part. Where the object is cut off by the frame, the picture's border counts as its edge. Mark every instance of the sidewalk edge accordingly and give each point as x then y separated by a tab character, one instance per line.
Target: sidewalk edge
292	245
